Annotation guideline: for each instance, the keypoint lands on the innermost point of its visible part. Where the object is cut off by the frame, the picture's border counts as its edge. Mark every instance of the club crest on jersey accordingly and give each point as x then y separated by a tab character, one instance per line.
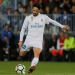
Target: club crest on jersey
42	20
32	18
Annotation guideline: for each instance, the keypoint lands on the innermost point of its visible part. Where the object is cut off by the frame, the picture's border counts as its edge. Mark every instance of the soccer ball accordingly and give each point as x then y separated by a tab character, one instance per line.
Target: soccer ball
20	69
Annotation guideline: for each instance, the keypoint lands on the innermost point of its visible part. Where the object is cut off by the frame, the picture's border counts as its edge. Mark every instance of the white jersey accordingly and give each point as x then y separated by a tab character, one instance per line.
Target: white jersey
36	27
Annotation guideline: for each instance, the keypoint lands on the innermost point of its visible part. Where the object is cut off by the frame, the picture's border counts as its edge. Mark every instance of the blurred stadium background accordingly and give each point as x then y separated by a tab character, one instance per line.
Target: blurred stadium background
12	15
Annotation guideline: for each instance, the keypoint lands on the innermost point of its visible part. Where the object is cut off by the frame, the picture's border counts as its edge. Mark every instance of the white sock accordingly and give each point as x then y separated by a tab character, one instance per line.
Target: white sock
34	61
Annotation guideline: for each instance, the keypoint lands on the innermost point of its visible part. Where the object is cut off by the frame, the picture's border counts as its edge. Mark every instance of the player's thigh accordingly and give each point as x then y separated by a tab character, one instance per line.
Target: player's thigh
37	48
22	53
37	51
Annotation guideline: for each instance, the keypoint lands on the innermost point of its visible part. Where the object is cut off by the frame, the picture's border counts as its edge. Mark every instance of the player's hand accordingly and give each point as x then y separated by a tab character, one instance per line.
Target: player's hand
66	27
20	44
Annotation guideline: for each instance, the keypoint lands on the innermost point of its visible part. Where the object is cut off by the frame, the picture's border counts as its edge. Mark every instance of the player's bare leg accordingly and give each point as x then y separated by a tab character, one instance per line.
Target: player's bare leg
35	60
22	53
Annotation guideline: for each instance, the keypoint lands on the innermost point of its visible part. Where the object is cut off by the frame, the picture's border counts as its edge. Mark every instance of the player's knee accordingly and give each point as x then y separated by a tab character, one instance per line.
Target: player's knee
37	55
37	52
22	54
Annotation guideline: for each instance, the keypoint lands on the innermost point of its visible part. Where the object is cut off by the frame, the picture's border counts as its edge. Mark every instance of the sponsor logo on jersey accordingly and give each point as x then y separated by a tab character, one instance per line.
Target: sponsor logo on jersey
37	25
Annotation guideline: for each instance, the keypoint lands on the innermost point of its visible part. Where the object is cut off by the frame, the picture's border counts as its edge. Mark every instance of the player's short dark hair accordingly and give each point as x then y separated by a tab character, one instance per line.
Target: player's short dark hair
37	5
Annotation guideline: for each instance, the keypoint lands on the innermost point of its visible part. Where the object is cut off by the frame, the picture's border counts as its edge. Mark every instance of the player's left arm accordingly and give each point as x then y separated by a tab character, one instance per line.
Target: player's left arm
49	20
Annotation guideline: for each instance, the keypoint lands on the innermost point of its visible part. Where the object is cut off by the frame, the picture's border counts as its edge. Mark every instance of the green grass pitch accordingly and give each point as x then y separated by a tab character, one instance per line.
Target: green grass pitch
43	68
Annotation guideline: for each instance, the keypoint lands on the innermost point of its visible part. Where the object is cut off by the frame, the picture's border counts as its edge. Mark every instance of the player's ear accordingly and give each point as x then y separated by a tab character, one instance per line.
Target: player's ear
39	10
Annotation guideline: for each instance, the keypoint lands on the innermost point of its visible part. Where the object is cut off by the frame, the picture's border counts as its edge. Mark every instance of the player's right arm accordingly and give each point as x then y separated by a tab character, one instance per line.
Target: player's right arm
25	24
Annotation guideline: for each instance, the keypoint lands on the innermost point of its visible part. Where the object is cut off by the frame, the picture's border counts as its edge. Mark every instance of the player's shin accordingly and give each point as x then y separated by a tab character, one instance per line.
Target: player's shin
33	64
34	61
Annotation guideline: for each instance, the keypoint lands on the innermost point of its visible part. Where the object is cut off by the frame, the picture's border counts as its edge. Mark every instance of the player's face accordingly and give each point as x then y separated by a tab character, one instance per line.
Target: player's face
35	11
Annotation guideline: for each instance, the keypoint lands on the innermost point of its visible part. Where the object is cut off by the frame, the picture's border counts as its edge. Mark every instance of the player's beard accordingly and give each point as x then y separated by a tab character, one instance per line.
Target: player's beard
35	14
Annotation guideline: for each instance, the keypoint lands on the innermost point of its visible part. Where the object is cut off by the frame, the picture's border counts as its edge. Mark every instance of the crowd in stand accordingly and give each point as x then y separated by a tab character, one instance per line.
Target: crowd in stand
15	17
49	7
57	48
53	8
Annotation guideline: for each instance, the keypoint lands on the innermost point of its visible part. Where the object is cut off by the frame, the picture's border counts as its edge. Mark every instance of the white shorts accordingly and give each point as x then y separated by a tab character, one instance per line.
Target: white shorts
29	44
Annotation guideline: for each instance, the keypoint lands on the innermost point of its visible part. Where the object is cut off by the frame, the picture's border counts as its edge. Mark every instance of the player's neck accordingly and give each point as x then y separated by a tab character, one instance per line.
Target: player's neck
37	15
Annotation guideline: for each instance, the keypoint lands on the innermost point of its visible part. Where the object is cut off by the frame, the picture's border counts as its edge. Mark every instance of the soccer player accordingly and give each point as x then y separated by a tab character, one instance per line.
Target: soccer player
35	23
